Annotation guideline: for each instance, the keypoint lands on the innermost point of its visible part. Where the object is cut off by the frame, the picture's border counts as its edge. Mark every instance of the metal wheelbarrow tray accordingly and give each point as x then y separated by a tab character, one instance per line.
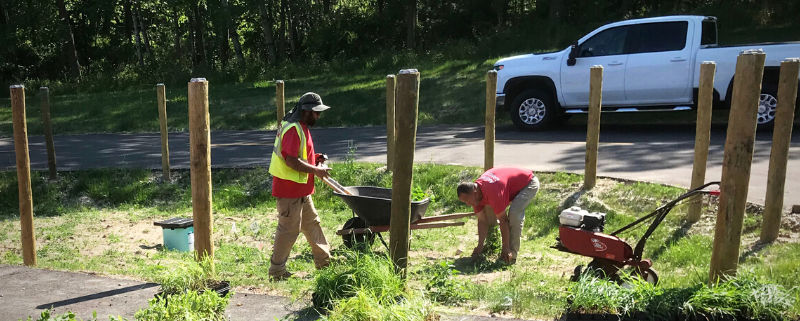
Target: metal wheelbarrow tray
374	206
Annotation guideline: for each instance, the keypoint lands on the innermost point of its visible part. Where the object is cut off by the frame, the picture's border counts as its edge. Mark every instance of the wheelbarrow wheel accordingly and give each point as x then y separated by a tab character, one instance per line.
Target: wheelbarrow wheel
650	276
352	241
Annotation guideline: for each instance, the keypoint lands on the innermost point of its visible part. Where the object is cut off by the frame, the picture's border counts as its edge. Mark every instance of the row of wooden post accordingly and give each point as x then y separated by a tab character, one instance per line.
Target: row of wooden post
737	159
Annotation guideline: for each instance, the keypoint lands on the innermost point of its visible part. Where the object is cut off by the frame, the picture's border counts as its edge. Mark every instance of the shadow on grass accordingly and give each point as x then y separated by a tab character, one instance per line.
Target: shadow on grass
469	266
679	233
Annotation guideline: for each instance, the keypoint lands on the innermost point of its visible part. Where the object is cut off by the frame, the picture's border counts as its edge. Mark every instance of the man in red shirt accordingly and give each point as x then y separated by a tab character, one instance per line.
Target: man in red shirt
492	192
293	166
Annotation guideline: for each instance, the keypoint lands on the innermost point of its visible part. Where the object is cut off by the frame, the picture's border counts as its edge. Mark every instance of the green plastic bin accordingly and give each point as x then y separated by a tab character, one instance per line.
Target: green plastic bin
178	233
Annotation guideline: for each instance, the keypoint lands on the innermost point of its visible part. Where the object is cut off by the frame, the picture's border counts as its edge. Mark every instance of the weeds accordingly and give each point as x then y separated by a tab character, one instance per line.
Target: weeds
743	296
442	287
187	277
357	273
186	306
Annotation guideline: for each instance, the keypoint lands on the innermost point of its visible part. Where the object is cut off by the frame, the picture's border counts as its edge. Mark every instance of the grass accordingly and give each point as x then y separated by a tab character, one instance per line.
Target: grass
101	221
743	296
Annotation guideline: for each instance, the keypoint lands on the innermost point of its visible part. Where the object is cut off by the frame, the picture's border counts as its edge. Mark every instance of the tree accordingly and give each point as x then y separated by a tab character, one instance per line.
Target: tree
269	40
411	23
70	50
233	33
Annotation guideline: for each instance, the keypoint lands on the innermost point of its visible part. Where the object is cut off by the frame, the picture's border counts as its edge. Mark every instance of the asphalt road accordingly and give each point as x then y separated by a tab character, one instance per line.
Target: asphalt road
657	153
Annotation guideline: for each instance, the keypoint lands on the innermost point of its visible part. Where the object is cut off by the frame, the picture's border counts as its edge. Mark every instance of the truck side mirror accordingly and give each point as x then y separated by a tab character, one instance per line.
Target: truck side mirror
573	54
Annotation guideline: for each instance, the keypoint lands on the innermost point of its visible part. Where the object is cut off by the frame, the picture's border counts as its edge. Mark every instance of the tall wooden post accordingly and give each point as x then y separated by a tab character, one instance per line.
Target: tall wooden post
736	164
23	174
406	127
593	126
200	154
280	102
781	137
44	92
491	106
705	99
390	116
162	119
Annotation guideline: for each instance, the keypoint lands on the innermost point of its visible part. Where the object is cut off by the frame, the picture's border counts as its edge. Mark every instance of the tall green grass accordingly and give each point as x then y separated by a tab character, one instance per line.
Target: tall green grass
742	296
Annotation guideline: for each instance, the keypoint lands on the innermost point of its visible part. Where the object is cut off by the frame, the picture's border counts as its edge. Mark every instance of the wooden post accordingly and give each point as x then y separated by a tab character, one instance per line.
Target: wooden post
491	106
280	102
200	154
44	92
162	118
781	137
406	126
705	99
593	127
390	116
736	164
23	174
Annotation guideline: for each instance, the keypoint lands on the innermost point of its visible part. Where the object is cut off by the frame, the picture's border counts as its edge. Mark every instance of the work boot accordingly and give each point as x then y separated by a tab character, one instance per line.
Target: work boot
280	276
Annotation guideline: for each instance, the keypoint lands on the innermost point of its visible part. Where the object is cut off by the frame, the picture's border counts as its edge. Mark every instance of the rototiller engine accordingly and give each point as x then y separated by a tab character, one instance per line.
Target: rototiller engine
581	233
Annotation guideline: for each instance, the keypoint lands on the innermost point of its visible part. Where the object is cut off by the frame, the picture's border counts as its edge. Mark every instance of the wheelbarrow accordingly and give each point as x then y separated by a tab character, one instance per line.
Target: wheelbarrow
372	211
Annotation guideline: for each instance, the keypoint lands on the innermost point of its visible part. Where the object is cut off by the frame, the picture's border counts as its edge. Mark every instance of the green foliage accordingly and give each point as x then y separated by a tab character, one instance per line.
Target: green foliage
356	273
741	296
70	316
366	305
441	287
183	277
190	305
493	243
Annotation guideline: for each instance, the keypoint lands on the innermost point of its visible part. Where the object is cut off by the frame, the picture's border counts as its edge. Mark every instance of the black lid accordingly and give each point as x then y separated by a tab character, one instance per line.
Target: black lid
175	222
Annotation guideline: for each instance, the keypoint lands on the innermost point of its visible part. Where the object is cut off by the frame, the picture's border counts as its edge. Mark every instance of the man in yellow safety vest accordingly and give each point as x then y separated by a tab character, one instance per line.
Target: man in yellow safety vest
293	159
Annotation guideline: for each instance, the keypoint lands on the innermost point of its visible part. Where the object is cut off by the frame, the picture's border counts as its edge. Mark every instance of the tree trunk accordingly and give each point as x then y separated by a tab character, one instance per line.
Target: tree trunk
177	43
501	7
69	40
556	8
224	48
411	24
266	26
282	33
233	33
126	7
192	45
380	5
143	30
198	32
3	14
292	33
138	39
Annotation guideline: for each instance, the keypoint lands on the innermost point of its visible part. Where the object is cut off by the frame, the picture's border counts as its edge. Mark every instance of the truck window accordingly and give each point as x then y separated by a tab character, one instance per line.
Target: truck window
709	36
606	43
660	36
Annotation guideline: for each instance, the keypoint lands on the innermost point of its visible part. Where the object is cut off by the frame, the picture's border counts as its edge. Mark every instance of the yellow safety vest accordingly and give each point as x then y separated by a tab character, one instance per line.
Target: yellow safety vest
278	167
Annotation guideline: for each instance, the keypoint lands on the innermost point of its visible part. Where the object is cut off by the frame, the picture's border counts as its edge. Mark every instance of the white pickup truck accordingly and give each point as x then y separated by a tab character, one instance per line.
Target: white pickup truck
648	64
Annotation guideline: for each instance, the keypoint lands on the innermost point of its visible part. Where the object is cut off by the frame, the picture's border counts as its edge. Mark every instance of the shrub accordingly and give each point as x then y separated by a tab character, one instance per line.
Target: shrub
186	306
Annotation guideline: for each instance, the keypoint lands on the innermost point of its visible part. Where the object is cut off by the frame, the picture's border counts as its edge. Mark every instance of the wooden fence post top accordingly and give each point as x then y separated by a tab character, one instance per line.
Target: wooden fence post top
597	67
198	80
16	86
491	71
708	63
279	81
44	88
159	85
390	76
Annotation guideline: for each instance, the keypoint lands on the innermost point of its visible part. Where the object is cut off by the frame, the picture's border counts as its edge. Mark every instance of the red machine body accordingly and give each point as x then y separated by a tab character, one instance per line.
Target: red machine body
594	244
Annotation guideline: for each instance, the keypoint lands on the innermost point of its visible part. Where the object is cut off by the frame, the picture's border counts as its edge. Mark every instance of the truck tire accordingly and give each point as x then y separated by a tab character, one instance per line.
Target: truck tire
533	109
768	101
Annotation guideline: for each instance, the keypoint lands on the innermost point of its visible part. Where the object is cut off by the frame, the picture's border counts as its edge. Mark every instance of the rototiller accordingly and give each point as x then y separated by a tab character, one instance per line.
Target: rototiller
581	233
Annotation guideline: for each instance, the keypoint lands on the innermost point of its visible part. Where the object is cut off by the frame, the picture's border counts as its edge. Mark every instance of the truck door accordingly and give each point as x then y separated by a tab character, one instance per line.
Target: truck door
608	49
660	64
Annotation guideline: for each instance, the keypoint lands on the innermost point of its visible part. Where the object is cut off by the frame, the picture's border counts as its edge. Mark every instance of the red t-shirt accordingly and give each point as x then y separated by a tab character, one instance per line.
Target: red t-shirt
500	185
290	146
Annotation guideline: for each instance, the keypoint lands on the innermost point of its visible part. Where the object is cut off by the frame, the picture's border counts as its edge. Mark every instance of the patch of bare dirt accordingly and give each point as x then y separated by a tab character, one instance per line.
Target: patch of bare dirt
118	233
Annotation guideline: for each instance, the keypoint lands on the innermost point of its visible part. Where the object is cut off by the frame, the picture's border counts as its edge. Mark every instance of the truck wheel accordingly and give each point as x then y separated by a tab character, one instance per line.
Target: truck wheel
766	106
533	109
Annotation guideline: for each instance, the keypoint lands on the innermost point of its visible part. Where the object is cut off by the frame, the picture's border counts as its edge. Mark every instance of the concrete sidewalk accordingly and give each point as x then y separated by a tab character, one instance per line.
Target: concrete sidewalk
28	291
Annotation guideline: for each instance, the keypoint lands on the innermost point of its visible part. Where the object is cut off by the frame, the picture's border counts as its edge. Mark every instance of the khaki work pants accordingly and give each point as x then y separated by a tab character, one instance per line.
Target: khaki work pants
516	214
296	215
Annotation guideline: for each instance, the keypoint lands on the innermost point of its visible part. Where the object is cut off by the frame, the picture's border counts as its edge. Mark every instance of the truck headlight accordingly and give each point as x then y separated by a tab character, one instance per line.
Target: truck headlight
498	67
